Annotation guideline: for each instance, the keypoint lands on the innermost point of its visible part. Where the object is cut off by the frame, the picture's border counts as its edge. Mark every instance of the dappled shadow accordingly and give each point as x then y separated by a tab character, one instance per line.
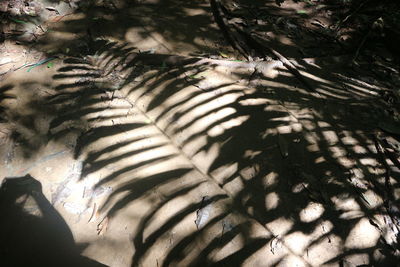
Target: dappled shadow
228	167
5	94
267	146
139	24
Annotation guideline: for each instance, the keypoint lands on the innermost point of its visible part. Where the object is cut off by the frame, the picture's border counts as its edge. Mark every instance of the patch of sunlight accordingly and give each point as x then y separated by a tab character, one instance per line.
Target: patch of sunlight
315	78
251	154
270	179
65	36
286	129
330	137
285	40
286	118
146	40
194	11
312	212
292	260
117	111
345	162
108	250
325	247
309	125
337	152
224	171
368	161
142	132
235	187
280	226
251	171
268	132
299	187
363	235
271	201
359	149
220	74
311	62
351	215
297	127
144	144
323	124
171	209
313	148
297	242
254	101
163	151
344	203
320	160
331	94
222	127
311	137
358	89
212	107
373	199
210	154
349	140
358	173
358	259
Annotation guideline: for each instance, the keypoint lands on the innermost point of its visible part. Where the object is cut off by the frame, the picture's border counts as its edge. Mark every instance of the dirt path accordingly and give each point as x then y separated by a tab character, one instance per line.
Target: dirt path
160	145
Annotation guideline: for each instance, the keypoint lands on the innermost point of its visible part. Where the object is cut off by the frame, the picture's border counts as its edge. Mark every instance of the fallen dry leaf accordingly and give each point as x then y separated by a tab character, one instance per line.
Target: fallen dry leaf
102	226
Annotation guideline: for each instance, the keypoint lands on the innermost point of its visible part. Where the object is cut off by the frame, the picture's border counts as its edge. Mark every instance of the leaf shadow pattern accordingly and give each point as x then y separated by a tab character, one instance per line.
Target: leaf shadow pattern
332	162
143	161
223	173
4	96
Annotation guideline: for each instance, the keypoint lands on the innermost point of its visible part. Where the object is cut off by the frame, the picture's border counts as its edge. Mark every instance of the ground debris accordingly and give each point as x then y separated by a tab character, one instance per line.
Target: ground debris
102	226
97	191
203	213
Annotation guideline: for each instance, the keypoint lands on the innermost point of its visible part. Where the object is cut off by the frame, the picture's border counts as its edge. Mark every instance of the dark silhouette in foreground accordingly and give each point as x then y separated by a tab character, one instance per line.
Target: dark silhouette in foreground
32	232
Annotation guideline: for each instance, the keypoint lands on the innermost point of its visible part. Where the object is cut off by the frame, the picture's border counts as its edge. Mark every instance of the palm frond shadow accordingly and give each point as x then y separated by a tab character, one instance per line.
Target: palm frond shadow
143	159
342	170
343	153
149	129
4	95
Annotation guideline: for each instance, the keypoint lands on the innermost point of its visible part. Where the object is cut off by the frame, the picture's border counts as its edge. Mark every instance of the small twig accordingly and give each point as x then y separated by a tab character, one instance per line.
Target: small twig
288	65
93	212
382	159
58	18
361	44
217	10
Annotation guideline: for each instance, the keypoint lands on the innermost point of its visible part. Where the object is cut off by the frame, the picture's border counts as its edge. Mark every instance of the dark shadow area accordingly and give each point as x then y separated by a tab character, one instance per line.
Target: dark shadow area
4	95
32	232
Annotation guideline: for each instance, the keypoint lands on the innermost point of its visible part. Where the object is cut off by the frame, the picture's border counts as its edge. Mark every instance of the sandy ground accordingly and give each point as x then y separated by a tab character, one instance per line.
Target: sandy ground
143	162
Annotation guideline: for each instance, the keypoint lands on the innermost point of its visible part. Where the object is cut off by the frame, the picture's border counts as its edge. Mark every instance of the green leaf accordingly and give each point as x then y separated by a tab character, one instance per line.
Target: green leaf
301	11
19	21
